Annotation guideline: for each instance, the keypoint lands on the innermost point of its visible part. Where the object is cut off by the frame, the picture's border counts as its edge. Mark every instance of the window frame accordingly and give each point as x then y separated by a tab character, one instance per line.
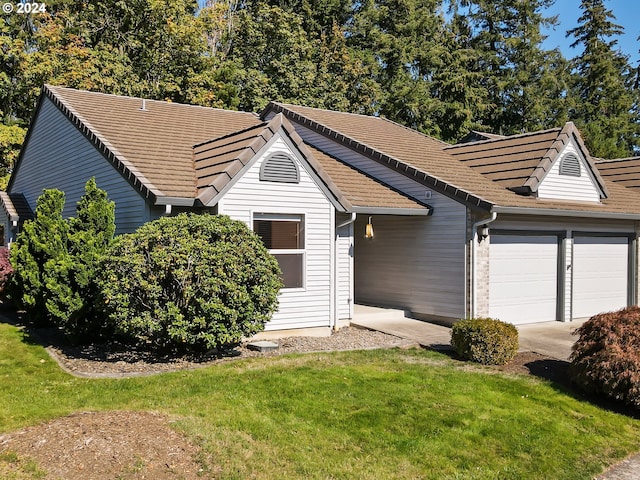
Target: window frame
302	252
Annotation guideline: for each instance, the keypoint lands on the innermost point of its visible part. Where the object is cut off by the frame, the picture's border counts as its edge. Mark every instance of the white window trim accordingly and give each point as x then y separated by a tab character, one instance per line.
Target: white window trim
287	217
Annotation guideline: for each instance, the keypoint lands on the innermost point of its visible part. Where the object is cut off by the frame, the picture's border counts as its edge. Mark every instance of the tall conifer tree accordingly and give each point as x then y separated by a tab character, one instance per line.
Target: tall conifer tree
601	90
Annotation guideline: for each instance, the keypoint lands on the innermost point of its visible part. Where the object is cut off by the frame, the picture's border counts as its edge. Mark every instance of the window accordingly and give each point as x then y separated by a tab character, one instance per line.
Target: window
283	235
570	165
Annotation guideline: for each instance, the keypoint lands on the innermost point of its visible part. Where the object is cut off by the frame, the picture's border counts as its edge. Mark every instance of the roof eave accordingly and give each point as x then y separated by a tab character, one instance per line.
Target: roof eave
393	211
564	213
175	201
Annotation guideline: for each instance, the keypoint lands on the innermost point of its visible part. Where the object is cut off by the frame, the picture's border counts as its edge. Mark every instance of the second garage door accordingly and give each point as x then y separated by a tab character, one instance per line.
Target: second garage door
600	274
523	276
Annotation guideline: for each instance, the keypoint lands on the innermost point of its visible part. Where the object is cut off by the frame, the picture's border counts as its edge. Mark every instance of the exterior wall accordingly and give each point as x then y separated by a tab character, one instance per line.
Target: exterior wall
6	228
312	305
480	248
344	273
568	227
59	156
565	187
414	263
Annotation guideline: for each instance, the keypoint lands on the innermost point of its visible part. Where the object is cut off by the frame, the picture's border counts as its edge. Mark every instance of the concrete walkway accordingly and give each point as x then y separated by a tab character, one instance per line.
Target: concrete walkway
552	339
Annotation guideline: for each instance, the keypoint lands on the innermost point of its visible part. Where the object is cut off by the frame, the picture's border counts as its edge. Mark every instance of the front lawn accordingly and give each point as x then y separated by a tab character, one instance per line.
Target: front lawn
358	415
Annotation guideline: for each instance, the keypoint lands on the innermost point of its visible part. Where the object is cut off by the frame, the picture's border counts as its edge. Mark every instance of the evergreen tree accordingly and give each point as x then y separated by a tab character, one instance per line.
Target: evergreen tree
525	84
38	247
56	260
601	90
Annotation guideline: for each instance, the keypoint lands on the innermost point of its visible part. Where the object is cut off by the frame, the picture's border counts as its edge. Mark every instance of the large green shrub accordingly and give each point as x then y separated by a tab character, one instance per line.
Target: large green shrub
39	245
606	357
55	261
190	282
485	340
71	279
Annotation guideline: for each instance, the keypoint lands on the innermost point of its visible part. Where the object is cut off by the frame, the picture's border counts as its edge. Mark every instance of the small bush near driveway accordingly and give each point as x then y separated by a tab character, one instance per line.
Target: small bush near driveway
606	356
190	282
485	340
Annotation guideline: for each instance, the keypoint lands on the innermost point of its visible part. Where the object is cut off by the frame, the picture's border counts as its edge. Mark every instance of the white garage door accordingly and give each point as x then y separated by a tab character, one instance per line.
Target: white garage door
600	269
523	275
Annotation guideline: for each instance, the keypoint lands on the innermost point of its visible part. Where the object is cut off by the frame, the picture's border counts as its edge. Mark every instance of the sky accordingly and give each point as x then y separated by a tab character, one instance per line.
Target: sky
568	11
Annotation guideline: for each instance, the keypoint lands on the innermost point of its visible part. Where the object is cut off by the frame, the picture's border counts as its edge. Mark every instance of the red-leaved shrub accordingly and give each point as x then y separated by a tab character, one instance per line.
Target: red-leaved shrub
606	358
5	268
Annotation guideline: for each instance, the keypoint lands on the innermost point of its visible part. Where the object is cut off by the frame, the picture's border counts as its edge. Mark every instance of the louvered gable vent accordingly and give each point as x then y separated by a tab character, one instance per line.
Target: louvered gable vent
279	167
570	165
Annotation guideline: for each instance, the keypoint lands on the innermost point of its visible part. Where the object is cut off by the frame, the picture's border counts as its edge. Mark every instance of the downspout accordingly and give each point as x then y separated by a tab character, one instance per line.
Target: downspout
335	269
474	252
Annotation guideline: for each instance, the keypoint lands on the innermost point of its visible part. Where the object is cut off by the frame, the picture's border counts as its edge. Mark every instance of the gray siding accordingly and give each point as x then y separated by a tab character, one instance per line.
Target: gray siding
415	263
6	227
344	265
59	156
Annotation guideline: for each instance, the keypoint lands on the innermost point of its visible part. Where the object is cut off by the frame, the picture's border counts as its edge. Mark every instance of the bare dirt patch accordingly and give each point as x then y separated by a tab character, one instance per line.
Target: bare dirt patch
101	446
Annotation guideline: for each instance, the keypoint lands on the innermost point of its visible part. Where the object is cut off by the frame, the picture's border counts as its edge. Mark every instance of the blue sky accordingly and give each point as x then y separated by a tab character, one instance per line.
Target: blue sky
568	11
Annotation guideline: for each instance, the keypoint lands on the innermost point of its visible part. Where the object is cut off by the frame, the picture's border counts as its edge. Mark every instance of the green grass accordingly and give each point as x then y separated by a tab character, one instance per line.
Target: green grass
353	415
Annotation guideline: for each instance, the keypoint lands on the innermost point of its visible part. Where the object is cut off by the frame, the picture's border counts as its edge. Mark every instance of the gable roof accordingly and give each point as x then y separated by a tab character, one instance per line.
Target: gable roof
431	163
183	154
625	171
521	162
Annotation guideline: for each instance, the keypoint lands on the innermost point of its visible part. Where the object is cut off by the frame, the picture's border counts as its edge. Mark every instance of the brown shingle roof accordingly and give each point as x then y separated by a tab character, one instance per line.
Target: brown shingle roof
429	161
360	189
154	144
625	171
154	148
509	161
174	150
520	162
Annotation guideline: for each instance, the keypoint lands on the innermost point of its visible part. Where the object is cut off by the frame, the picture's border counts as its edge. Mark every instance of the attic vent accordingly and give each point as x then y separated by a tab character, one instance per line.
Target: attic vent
279	167
570	165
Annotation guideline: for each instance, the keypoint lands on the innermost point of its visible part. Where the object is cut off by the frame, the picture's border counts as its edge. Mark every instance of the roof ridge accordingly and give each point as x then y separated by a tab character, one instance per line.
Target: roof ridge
504	138
130	97
233	134
613	160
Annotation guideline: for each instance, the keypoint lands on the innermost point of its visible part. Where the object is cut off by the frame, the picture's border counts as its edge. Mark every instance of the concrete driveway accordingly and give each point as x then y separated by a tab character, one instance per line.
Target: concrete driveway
552	339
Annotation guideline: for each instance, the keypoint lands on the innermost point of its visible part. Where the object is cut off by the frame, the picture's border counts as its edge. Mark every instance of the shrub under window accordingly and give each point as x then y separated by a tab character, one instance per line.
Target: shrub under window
190	282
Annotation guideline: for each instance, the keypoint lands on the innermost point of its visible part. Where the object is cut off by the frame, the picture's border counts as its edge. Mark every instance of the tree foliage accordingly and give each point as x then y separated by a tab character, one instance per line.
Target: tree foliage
39	246
440	66
601	90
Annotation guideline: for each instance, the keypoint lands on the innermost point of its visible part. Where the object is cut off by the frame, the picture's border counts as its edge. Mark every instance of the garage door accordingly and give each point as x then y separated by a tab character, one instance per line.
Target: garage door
600	274
523	276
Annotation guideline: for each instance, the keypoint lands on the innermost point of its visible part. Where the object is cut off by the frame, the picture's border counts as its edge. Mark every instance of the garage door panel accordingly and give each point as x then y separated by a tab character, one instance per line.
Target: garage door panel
600	274
523	273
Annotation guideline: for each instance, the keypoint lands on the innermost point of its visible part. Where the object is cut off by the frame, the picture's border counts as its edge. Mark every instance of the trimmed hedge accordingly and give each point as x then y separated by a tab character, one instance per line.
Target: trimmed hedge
485	340
190	282
606	357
